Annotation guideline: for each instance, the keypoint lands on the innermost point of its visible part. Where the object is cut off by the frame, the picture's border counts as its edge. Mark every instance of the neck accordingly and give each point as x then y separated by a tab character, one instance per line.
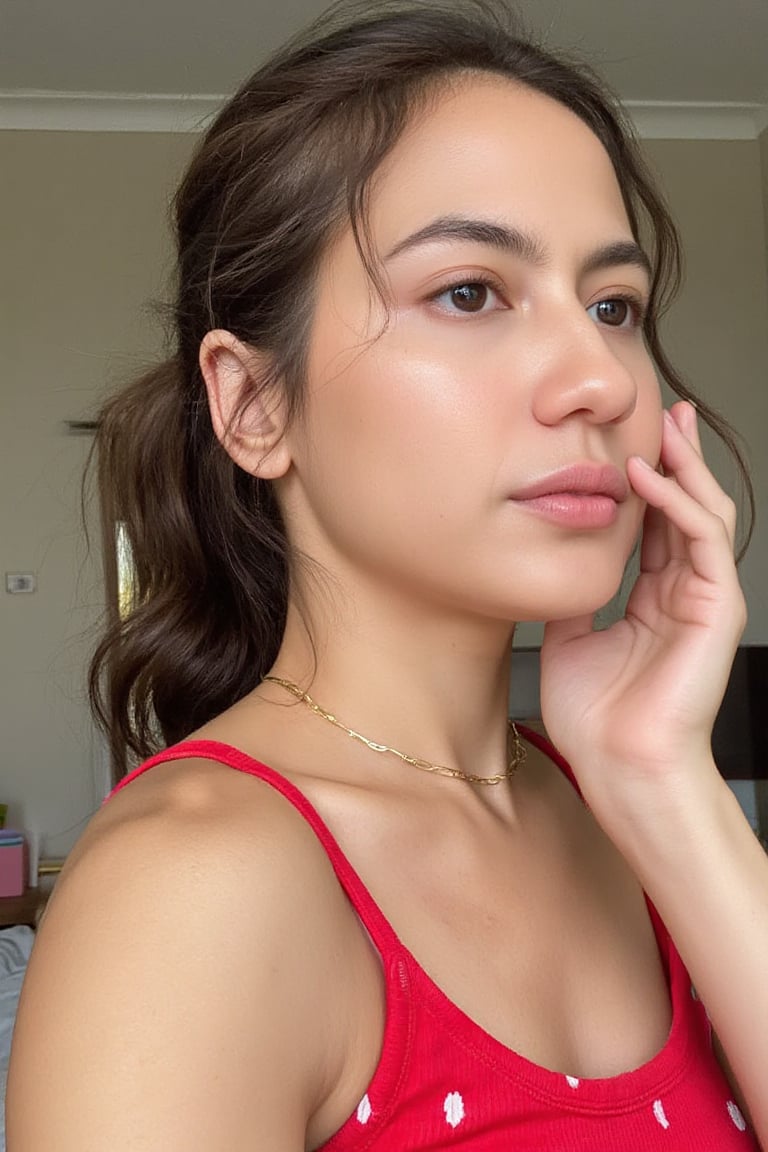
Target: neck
431	684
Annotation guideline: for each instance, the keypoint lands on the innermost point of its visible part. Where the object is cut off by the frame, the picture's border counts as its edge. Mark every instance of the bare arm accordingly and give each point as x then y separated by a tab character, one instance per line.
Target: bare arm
174	999
707	874
633	707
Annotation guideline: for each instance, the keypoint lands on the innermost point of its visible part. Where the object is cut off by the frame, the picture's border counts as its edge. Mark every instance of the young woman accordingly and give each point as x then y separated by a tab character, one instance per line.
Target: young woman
412	401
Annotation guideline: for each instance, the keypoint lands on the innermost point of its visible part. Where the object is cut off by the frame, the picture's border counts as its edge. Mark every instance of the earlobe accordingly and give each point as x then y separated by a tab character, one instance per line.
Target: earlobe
248	419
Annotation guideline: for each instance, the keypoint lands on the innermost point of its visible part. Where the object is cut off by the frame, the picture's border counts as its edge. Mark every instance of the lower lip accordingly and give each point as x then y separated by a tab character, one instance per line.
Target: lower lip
573	511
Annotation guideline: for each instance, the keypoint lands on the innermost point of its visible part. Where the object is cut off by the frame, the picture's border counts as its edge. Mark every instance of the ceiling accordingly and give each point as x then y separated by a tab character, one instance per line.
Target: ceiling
670	51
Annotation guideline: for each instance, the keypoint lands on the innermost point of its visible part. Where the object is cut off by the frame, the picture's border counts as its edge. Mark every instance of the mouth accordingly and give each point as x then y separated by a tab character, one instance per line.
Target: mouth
584	495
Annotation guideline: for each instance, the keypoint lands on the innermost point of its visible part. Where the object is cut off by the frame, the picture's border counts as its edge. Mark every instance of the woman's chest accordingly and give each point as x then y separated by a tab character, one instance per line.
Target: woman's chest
535	929
557	961
539	963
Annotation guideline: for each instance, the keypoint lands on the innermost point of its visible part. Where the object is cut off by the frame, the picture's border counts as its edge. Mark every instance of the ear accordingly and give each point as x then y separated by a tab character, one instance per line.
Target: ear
248	420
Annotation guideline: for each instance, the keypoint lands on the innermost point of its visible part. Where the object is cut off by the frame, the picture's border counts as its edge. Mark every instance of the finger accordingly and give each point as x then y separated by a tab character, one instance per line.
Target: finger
708	545
683	462
663	542
687	419
677	544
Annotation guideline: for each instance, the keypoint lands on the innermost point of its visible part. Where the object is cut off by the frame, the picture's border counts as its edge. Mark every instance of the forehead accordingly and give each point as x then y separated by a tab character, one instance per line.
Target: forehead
492	147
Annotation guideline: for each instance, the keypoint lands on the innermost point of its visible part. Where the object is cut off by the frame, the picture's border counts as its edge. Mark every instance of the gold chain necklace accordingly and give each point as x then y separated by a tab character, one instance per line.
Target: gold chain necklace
517	753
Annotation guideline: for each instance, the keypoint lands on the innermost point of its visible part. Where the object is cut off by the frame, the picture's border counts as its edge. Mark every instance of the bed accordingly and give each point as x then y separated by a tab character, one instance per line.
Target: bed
15	947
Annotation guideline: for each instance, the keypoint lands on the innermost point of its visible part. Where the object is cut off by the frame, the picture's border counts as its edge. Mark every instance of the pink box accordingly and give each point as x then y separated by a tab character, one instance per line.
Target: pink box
13	869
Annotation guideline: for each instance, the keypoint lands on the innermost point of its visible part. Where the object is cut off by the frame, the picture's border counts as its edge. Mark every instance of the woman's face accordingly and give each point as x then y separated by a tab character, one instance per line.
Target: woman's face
513	351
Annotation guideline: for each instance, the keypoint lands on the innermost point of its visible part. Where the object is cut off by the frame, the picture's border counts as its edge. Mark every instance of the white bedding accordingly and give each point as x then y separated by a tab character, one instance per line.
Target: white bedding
15	947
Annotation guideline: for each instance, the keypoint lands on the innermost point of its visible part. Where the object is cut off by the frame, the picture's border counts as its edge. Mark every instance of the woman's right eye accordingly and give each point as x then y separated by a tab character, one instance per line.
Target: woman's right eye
468	296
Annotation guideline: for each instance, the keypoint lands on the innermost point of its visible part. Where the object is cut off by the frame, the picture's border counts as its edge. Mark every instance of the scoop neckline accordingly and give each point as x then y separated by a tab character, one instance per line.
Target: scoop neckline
578	1093
609	1094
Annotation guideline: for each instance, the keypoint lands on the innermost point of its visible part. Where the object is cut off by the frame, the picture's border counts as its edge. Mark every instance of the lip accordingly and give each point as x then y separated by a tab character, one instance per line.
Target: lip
585	479
584	495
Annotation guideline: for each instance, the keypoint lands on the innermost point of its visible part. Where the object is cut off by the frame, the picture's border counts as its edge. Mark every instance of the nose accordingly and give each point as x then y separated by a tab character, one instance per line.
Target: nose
581	372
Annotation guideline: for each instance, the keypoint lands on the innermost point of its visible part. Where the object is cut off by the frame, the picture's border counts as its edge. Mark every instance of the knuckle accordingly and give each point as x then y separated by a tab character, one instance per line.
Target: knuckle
725	519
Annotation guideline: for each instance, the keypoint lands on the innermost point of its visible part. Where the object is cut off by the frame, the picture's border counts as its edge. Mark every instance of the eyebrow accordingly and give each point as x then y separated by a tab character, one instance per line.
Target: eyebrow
516	242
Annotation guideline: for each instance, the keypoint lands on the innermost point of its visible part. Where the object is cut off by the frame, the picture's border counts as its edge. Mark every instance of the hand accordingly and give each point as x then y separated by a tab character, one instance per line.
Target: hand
638	700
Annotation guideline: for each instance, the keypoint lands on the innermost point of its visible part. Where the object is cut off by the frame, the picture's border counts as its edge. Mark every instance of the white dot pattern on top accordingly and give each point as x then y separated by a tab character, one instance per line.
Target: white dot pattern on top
455	1112
453	1106
420	1040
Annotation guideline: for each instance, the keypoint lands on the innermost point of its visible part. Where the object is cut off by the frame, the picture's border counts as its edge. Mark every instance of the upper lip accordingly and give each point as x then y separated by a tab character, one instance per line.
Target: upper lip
583	479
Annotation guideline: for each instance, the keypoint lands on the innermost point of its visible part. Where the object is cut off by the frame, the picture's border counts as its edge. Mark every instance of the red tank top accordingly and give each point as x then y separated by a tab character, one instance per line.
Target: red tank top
443	1082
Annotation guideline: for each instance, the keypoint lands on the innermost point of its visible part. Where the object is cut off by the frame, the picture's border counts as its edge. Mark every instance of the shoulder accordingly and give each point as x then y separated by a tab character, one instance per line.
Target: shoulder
194	931
206	844
195	827
202	794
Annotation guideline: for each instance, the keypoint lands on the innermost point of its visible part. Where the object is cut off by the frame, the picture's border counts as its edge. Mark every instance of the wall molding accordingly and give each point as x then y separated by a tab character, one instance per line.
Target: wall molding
116	112
105	112
656	120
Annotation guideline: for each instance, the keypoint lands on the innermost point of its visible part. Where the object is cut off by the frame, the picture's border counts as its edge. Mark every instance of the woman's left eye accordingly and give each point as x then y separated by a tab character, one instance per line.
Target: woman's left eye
618	312
468	296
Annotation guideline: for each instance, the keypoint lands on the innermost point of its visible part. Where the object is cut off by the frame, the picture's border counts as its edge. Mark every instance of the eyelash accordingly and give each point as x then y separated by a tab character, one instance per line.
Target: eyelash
476	278
636	303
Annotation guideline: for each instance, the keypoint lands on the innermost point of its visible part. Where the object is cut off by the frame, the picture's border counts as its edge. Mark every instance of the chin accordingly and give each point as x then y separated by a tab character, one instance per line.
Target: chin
561	601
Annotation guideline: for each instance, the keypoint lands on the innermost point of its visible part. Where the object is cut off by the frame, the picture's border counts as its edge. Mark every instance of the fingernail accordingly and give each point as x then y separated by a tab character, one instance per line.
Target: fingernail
669	420
643	463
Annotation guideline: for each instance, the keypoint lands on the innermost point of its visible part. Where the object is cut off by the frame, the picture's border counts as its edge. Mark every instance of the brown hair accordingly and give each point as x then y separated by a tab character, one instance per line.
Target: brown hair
286	165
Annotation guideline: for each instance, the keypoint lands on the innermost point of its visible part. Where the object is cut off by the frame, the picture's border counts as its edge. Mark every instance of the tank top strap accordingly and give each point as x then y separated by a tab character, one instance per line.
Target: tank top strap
666	944
378	927
543	744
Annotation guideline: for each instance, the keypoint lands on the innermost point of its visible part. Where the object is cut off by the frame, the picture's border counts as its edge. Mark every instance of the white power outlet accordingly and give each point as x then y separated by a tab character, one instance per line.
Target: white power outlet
20	582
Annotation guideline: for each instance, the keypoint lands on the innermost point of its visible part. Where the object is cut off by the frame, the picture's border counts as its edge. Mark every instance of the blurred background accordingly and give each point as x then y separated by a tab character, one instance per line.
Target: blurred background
100	103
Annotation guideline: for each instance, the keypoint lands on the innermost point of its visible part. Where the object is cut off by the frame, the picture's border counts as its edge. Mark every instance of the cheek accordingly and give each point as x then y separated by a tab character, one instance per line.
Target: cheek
654	429
398	451
647	420
405	409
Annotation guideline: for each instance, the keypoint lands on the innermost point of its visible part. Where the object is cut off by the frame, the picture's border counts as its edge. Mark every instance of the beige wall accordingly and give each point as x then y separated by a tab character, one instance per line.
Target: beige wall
84	248
718	331
764	169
